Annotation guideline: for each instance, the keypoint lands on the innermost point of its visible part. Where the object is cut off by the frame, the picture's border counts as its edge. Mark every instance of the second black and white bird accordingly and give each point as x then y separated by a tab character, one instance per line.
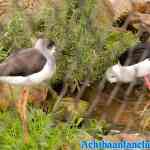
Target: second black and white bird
133	63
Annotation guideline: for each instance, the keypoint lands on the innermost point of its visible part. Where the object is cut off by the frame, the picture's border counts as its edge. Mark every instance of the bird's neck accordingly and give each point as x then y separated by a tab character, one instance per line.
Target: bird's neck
39	44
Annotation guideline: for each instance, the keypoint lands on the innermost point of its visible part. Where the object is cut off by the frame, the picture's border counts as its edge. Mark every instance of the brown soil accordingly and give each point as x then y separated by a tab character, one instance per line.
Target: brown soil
123	110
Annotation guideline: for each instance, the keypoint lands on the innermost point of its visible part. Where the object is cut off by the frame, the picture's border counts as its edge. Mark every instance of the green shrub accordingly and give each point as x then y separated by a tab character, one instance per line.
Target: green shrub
87	49
44	132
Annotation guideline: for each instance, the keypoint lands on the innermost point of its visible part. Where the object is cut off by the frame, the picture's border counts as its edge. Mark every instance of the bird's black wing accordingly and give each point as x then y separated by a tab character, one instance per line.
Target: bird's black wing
23	63
135	55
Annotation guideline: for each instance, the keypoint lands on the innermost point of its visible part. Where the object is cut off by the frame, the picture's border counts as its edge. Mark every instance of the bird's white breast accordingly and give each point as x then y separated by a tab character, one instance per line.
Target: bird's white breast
134	71
143	68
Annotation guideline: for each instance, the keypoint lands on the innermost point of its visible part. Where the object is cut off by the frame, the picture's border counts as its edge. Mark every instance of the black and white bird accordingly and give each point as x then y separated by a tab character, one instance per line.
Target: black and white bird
133	63
28	67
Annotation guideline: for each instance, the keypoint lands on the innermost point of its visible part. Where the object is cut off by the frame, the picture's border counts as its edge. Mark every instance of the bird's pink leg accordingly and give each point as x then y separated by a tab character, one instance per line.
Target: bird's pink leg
147	81
22	110
147	84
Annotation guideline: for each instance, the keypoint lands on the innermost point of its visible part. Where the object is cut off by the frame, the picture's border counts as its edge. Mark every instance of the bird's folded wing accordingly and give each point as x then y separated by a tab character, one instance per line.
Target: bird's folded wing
23	63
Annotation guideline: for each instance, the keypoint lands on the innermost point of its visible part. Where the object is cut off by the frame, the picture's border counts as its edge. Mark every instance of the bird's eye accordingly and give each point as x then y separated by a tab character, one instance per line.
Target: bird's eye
113	76
50	44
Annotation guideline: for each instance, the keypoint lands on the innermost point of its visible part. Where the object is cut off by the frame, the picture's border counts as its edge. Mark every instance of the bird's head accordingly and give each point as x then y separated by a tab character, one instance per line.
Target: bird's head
113	73
50	45
45	44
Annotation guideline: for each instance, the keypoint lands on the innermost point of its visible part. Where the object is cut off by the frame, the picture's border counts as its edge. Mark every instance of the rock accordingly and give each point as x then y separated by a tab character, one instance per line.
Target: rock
122	6
112	138
131	137
67	109
126	137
